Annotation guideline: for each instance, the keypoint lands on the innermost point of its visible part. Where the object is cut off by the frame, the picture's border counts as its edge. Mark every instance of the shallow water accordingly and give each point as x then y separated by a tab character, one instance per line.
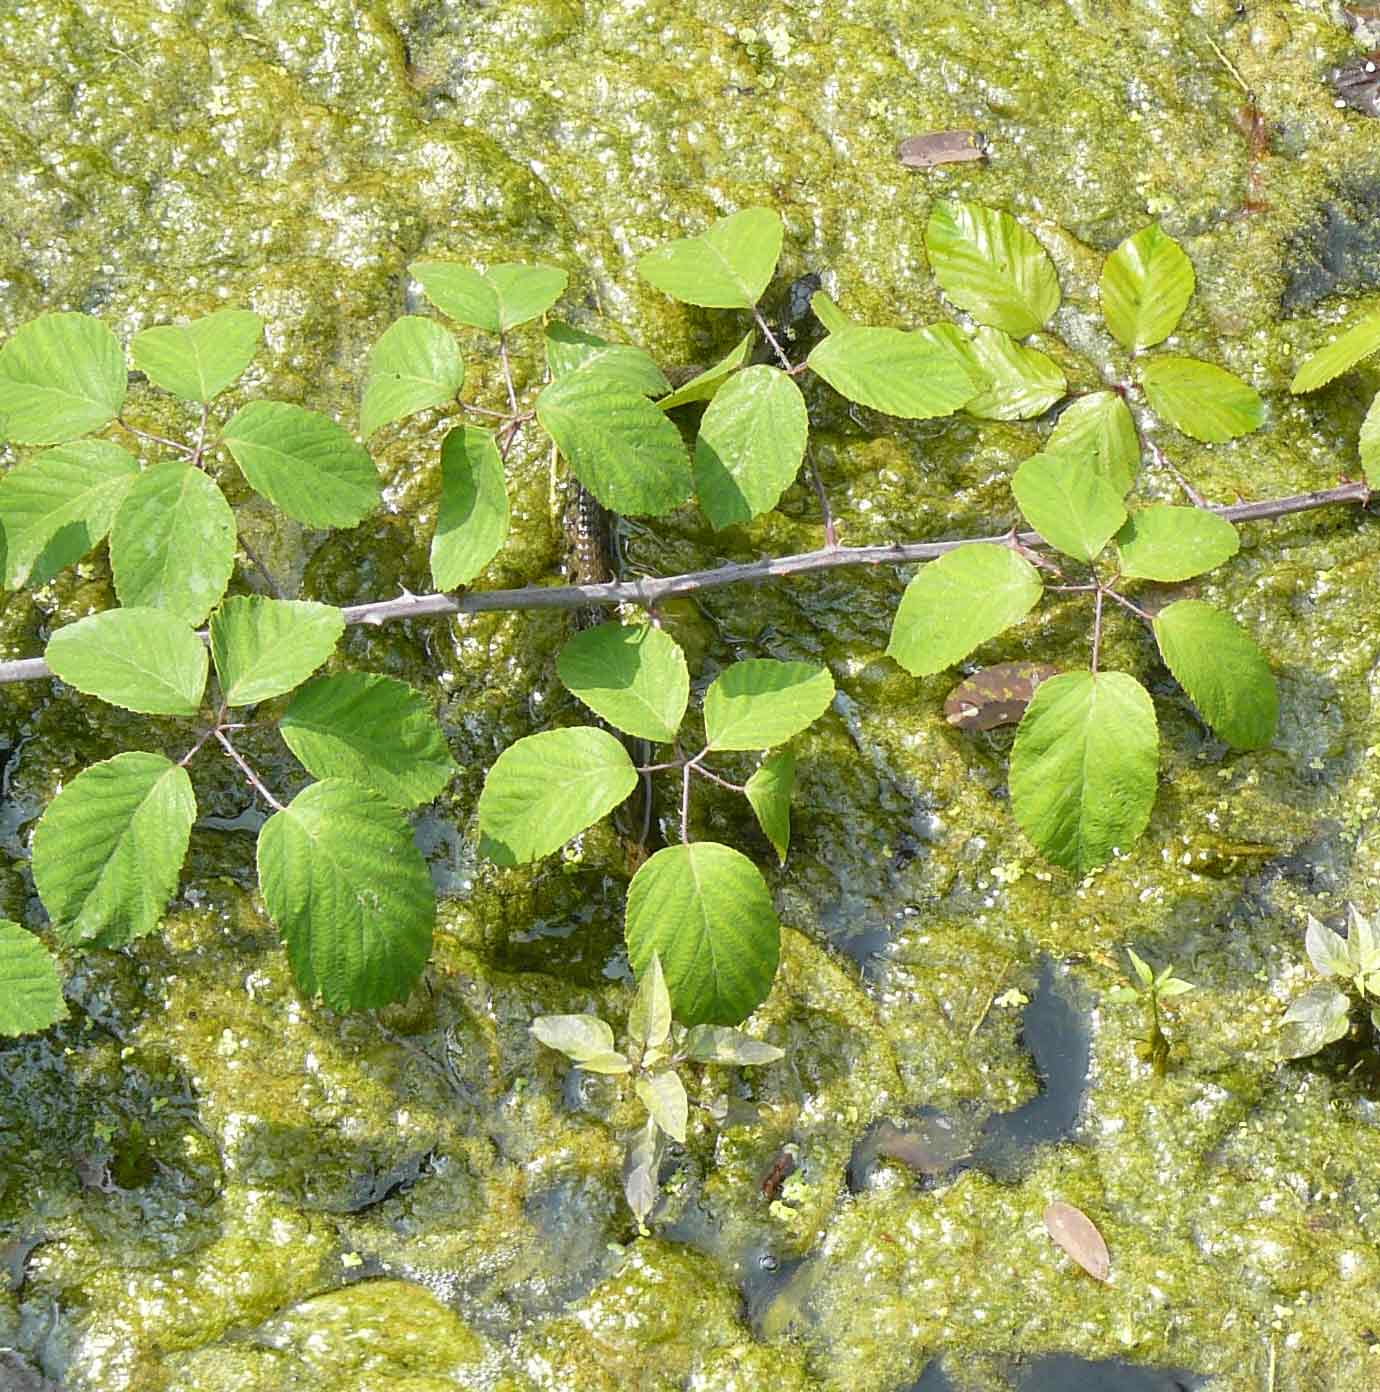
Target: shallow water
196	1143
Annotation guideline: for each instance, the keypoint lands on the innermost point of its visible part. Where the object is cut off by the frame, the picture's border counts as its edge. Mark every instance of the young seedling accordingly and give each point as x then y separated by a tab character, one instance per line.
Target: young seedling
1154	1049
656	1049
1323	1014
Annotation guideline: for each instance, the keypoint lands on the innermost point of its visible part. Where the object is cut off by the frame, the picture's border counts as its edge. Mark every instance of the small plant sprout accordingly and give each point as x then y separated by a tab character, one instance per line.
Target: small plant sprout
1152	989
1321	1016
656	1049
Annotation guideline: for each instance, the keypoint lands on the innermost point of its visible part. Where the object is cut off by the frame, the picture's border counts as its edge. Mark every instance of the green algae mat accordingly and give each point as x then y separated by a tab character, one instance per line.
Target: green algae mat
1003	1145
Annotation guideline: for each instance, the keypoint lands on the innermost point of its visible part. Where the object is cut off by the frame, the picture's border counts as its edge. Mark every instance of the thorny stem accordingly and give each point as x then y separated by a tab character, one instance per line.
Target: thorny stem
831	536
507	373
685	803
1097	629
484	410
771	338
647	592
157	439
248	772
1130	605
198	449
714	777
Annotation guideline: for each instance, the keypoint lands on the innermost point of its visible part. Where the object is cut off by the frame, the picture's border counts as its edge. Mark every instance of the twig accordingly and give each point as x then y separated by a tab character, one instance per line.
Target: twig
646	592
248	773
831	536
771	338
1097	630
991	996
157	439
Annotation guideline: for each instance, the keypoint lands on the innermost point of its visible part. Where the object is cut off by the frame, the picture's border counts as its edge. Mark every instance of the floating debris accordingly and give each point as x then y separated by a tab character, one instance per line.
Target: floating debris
1357	84
1075	1232
942	147
996	695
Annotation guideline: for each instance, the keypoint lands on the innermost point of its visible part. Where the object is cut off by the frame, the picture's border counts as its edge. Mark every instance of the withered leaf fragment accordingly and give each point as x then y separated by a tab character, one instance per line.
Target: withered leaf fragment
1073	1230
995	695
941	147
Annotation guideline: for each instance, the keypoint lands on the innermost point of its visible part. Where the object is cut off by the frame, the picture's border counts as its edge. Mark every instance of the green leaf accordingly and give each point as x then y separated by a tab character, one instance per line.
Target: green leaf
107	853
1226	676
345	883
304	463
761	702
1162	542
61	375
1140	967
956	603
1327	951
726	267
718	1044
264	647
769	793
569	349
632	675
912	375
549	787
620	446
1316	1019
1369	442
1363	941
750	446
141	659
1022	382
829	314
58	505
172	546
1083	767
415	365
704	385
649	1020
473	521
706	910
988	264
1099	428
498	299
663	1095
198	360
369	729
1331	360
1173	986
1074	509
1147	283
640	1168
30	991
584	1039
1205	402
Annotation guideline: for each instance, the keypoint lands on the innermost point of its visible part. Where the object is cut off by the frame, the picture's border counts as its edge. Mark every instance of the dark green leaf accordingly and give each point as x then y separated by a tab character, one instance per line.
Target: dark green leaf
30	991
347	886
198	360
497	299
750	446
369	729
1147	283
1072	507
956	603
61	375
769	793
914	376
172	546
726	267
706	910
620	446
1161	542
57	506
304	463
988	264
761	702
1226	676
142	659
108	851
415	365
633	675
1316	1019
1099	429
264	647
1206	402
1084	767
473	521
549	787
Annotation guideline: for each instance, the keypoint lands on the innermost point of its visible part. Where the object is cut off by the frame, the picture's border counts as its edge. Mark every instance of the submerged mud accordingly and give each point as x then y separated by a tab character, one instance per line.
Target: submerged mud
236	1188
